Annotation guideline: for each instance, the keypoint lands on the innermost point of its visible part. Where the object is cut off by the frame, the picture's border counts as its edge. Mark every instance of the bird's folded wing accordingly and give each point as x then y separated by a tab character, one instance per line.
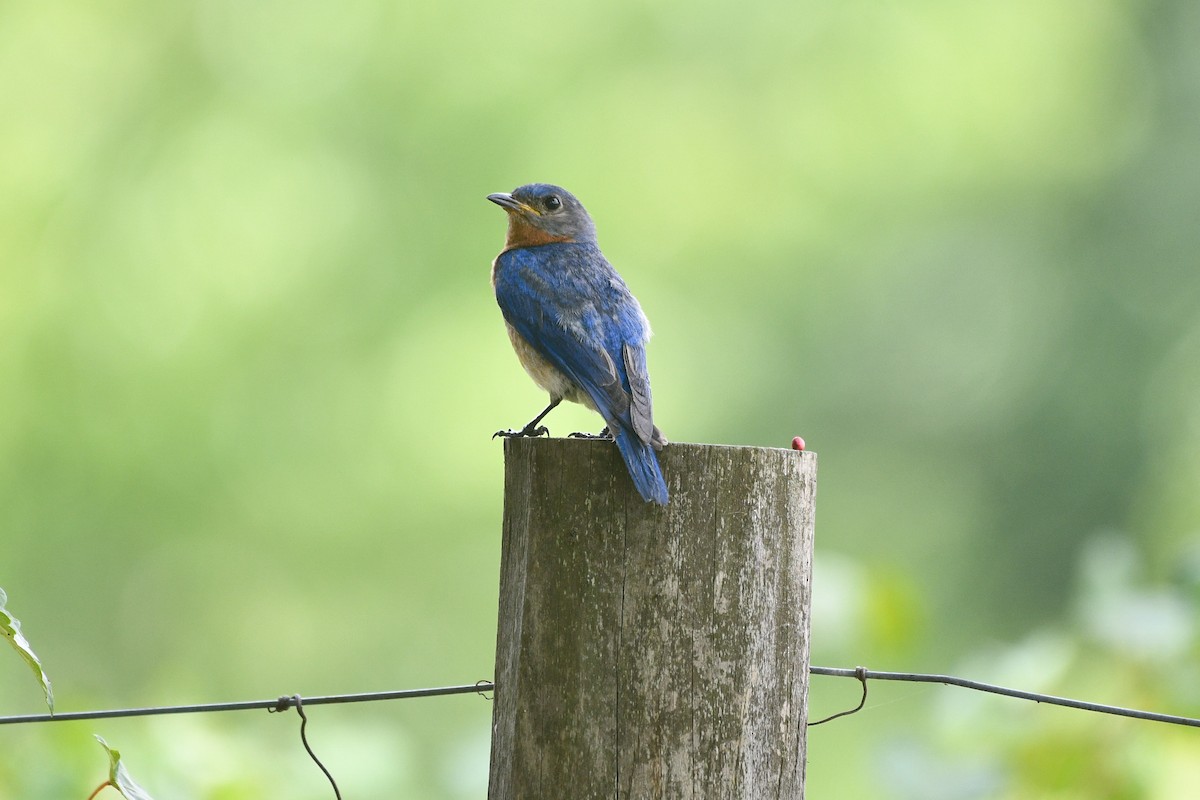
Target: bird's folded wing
589	364
641	404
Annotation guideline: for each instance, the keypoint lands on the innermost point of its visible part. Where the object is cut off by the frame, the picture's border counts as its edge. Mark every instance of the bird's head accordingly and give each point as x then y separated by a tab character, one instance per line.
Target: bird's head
540	213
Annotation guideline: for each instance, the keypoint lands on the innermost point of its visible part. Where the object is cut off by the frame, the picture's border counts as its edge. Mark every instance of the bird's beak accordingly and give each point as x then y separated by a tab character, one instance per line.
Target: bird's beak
510	203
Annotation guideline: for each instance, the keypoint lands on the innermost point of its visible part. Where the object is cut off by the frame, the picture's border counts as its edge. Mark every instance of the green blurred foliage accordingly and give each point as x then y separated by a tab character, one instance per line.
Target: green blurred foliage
249	360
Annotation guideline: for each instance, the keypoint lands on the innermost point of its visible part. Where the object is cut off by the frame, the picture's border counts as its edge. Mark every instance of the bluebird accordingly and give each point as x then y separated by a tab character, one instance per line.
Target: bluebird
576	328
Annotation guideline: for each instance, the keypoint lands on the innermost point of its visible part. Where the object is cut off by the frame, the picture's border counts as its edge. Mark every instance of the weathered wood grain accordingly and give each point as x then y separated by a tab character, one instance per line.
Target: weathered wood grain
648	652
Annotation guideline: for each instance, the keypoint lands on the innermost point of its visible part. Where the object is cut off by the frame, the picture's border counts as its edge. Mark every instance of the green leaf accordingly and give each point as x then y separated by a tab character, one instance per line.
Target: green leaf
10	628
119	777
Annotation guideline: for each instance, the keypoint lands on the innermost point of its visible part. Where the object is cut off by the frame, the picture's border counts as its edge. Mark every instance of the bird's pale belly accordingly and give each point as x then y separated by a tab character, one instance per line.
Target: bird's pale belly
545	374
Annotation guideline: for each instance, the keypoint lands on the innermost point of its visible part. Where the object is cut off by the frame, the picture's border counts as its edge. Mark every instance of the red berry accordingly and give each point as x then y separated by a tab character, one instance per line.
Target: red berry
797	443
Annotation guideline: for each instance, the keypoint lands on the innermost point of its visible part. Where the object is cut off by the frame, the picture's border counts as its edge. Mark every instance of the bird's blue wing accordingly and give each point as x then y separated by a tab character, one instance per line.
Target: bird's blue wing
570	305
573	308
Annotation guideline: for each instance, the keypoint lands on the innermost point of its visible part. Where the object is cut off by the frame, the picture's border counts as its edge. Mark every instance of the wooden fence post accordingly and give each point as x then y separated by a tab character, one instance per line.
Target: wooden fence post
647	652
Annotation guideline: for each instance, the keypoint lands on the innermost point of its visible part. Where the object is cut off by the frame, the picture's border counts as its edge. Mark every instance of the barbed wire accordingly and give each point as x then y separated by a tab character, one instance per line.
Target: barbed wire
862	674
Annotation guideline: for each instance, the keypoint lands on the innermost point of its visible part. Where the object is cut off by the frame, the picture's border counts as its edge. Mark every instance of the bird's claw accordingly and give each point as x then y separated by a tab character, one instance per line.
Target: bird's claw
604	434
527	431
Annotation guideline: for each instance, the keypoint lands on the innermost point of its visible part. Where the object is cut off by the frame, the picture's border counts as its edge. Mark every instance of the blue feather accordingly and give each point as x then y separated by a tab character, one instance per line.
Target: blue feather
642	464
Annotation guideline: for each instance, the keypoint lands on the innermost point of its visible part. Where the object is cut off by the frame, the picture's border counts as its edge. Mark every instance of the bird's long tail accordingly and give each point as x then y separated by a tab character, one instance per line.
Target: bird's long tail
642	464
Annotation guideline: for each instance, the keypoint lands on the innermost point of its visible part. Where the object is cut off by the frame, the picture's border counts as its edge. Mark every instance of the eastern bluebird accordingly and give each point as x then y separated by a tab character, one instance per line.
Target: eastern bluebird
576	328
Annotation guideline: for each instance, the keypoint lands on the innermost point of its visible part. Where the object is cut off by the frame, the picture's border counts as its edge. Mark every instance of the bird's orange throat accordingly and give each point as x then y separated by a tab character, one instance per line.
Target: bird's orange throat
523	234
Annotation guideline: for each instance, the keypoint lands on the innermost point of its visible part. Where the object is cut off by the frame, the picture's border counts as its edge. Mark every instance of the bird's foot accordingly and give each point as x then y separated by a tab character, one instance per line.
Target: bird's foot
604	434
528	431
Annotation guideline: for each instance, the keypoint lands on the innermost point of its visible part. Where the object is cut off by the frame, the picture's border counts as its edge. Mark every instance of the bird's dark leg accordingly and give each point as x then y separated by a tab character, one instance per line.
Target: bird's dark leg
532	428
604	434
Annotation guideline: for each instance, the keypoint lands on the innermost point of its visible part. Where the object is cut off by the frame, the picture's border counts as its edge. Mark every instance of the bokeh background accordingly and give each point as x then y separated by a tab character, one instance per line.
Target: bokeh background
250	363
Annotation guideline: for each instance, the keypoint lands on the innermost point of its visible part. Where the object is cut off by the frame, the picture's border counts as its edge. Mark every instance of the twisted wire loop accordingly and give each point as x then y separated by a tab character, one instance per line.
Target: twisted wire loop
290	701
861	674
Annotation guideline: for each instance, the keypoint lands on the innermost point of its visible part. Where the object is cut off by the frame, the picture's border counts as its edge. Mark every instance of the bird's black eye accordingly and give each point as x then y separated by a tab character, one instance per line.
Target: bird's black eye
553	203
